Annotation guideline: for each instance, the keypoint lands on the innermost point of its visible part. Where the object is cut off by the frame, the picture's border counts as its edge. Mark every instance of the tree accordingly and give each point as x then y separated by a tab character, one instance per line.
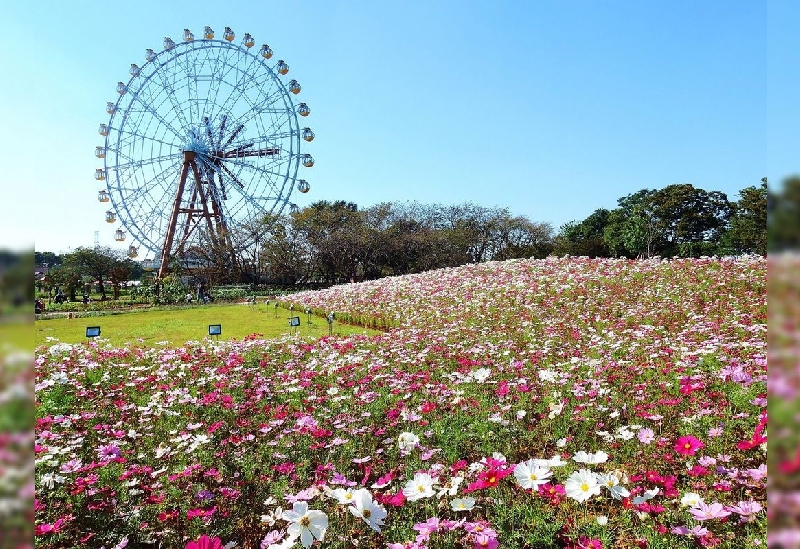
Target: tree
676	220
336	232
120	273
47	258
67	277
747	228
584	238
783	220
285	255
94	263
519	237
631	230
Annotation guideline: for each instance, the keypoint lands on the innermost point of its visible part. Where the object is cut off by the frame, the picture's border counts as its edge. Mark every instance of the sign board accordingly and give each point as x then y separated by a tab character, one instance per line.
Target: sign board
294	321
214	329
92	331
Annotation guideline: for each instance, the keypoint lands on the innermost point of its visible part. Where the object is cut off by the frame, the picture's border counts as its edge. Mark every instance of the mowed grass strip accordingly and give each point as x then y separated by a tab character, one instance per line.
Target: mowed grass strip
191	323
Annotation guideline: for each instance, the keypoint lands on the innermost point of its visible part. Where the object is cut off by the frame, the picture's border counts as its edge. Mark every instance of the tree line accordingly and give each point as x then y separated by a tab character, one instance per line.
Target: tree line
84	267
331	242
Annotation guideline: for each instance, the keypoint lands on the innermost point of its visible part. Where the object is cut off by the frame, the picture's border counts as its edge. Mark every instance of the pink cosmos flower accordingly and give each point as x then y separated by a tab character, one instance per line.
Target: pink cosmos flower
483	541
645	435
687	445
205	542
746	509
426	528
587	543
704	511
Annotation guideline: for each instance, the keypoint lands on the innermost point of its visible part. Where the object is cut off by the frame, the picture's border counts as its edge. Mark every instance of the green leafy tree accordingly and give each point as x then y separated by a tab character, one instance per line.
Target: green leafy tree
747	228
585	237
783	220
66	277
97	264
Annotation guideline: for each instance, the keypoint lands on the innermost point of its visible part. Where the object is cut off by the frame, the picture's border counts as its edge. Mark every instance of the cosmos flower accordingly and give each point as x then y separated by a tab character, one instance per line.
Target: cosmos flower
307	524
611	482
691	499
581	485
205	542
462	504
420	487
591	459
529	475
704	511
645	435
367	510
407	441
687	445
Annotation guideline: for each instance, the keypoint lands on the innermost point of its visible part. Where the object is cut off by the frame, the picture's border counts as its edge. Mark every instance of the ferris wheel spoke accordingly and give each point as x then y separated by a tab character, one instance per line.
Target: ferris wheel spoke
219	79
176	107
149	108
141	163
238	76
149	138
256	110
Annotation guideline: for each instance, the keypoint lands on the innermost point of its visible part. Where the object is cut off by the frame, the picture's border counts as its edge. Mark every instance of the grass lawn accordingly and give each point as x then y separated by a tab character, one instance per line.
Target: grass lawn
16	334
180	325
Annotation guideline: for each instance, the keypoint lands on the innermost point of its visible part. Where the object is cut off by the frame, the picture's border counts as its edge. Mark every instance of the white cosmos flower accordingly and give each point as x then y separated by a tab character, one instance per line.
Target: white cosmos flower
345	496
591	459
481	374
462	504
420	487
306	524
554	461
611	481
451	487
602	520
555	410
691	499
648	494
407	441
581	485
529	475
50	479
367	510
624	433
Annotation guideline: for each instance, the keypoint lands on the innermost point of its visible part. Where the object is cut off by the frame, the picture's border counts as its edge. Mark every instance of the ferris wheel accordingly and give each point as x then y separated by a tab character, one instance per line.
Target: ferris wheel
204	138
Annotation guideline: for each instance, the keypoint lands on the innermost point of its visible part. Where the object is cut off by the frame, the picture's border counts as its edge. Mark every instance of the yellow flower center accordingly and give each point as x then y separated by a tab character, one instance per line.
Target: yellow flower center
305	521
585	487
420	488
687	445
533	476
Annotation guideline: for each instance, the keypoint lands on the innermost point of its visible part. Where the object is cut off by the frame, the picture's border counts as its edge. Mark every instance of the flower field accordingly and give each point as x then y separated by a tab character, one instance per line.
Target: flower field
530	403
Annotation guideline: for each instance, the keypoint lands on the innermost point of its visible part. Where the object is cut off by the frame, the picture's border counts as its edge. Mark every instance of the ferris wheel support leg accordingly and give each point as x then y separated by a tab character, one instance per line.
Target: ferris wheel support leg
206	213
188	156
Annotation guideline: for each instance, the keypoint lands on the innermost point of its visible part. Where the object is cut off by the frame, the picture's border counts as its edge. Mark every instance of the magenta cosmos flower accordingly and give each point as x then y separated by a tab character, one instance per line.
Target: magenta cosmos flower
205	542
688	445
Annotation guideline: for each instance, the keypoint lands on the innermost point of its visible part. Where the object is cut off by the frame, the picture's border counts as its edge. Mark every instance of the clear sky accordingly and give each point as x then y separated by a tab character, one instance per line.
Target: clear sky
549	108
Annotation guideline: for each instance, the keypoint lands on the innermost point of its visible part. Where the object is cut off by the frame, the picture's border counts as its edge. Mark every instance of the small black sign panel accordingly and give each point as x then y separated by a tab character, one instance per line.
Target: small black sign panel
92	331
214	329
294	321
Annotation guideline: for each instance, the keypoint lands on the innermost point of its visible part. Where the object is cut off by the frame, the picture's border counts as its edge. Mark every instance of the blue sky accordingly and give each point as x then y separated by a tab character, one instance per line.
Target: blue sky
551	109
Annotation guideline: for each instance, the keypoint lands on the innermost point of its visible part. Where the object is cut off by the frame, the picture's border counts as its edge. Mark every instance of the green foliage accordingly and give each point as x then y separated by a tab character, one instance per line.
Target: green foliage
783	219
